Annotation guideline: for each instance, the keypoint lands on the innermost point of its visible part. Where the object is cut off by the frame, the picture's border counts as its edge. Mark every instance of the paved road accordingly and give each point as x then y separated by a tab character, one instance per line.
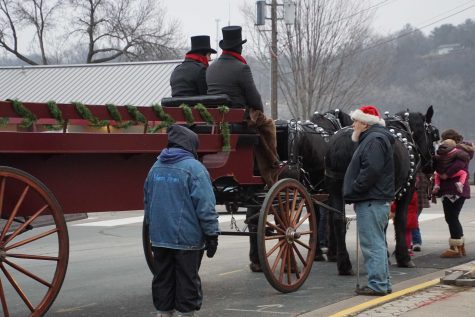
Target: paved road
107	275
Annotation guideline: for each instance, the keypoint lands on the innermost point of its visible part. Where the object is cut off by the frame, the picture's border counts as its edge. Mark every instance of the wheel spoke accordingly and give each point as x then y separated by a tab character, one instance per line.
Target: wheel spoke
14	212
282	263
4	300
275	237
23	226
2	194
281	208
294	200
288	267
275	248
303	244
275	227
277	259
298	212
279	219
37	237
17	288
299	255
302	220
33	257
287	205
27	273
294	262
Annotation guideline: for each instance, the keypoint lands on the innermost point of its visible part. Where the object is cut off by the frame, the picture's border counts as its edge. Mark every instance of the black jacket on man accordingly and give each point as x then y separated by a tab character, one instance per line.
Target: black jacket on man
229	76
189	79
370	175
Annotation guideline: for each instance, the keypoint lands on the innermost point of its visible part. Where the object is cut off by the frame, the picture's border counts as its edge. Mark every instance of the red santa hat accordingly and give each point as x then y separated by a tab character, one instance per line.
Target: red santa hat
368	114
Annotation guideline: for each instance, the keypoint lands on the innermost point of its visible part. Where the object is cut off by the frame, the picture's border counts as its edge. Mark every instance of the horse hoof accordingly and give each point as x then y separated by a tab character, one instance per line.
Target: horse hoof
409	264
346	273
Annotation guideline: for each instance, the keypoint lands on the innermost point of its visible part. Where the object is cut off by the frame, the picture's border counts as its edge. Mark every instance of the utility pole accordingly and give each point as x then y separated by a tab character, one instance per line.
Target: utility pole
274	61
217	34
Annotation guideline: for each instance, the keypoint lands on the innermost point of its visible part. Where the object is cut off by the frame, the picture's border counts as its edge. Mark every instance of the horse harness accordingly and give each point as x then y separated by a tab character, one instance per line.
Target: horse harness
401	130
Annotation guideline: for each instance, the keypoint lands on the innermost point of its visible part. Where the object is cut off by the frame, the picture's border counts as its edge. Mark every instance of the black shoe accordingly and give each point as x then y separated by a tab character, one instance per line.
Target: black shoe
319	258
417	248
255	267
366	291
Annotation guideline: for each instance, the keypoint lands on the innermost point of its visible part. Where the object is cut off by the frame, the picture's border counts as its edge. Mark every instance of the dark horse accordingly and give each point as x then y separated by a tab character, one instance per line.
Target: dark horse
413	150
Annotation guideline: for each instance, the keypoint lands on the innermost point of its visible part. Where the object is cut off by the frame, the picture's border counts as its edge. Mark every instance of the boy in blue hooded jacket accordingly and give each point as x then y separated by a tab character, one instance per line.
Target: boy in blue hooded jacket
179	205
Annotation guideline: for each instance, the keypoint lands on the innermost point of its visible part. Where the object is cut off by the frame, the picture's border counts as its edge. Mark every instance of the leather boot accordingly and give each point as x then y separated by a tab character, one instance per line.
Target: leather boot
454	249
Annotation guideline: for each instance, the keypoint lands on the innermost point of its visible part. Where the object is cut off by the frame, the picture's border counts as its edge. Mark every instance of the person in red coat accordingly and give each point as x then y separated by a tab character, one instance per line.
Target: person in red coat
412	221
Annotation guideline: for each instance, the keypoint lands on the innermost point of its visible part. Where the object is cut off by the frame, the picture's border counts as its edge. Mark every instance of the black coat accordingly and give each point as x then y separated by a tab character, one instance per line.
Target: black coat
229	76
189	79
370	175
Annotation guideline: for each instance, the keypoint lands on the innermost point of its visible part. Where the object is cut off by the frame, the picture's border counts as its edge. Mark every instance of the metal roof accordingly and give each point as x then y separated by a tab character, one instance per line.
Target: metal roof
139	84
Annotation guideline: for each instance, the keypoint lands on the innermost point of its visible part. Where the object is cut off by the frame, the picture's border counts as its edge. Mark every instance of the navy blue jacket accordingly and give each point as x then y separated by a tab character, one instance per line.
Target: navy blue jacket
370	175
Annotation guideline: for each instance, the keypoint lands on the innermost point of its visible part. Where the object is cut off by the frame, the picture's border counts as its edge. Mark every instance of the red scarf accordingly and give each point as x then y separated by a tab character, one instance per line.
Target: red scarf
235	55
199	58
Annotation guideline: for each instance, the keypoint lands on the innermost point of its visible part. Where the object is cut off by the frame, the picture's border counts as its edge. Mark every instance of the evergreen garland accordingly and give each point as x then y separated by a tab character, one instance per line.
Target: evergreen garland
225	130
56	114
204	113
86	114
4	121
188	114
136	114
28	117
115	115
165	118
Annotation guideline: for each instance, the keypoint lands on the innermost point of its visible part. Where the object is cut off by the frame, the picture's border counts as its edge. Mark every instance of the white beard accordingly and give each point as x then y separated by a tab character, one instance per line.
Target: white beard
355	136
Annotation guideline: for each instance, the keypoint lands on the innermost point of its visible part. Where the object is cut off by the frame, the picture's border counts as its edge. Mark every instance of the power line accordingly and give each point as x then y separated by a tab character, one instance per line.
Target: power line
416	29
377	5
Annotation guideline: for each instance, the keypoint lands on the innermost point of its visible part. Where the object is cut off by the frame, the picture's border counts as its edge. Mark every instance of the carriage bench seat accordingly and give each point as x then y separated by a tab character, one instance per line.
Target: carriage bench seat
211	101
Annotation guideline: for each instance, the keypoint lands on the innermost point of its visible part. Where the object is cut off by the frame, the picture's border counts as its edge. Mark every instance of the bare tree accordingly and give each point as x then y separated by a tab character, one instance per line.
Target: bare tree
134	29
17	15
320	67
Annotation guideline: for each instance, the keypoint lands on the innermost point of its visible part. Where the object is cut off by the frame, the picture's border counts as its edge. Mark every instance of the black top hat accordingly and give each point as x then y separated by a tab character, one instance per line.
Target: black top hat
201	43
231	37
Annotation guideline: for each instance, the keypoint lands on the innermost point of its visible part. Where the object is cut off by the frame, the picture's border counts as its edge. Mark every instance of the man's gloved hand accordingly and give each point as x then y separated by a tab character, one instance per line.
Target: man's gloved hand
211	244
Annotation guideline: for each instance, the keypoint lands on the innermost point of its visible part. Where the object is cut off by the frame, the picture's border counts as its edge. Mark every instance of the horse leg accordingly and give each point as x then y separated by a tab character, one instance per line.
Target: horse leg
318	253
402	255
339	228
252	223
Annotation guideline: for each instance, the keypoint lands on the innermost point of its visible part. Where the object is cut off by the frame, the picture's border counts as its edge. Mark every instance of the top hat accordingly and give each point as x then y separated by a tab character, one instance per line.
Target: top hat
201	43
231	37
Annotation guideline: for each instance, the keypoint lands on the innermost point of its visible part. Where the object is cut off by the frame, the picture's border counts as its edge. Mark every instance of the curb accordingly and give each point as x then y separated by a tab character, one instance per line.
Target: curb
385	299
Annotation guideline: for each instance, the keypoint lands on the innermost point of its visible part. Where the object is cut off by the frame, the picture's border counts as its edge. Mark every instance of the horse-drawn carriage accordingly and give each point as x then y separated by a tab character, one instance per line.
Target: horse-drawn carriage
53	164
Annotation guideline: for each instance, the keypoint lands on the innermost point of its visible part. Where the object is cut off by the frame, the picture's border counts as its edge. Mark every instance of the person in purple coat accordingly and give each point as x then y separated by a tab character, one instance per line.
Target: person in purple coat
452	198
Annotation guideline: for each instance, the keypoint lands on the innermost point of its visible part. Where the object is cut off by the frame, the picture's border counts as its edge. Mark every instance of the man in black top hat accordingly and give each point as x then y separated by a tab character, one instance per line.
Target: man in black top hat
231	75
189	78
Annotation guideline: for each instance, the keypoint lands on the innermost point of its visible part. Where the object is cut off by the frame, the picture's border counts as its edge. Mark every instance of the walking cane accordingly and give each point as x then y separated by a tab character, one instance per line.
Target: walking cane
357	256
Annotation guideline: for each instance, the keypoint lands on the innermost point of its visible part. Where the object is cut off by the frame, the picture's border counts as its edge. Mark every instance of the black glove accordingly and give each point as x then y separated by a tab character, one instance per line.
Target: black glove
211	244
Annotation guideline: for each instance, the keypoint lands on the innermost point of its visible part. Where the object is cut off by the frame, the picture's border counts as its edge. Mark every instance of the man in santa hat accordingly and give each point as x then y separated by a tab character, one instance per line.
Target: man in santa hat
369	185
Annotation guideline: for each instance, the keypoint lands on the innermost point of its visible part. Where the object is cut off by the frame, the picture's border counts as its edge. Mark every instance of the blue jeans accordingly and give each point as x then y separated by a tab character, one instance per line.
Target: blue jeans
372	217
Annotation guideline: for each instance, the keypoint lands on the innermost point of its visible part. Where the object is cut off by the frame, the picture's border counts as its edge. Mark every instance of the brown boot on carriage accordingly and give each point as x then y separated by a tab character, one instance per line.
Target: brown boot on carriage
454	251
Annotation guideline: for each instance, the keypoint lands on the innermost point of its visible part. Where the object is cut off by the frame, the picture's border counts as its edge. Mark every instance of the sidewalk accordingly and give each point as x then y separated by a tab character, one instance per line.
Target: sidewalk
419	297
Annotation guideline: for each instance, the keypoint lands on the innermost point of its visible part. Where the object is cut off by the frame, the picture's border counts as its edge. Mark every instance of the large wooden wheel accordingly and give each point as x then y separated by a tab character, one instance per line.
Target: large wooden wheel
287	235
147	248
32	262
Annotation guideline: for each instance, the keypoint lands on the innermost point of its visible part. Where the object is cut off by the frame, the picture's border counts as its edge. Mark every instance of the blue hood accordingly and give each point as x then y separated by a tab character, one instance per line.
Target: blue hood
173	155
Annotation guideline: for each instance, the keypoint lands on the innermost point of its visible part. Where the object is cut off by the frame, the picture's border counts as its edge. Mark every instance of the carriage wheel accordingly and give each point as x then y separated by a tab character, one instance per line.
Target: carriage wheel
32	262
287	235
147	248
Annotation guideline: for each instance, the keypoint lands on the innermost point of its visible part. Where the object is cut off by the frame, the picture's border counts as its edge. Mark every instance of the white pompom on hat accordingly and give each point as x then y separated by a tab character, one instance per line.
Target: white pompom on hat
368	114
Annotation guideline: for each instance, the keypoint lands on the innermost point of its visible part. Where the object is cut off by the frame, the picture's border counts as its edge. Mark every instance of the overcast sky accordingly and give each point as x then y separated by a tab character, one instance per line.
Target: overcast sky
199	16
